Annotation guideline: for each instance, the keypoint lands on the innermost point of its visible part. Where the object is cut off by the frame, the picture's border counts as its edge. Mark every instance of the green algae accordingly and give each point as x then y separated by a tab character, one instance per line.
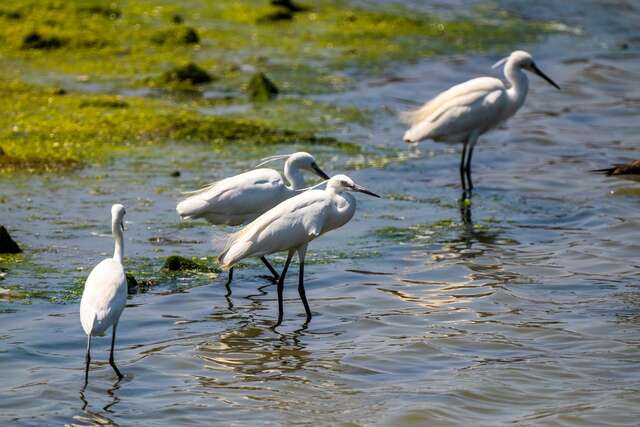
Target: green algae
177	263
40	131
141	43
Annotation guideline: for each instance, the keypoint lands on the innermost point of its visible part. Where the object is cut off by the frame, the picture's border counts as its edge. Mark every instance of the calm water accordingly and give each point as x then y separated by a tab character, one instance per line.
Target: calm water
525	309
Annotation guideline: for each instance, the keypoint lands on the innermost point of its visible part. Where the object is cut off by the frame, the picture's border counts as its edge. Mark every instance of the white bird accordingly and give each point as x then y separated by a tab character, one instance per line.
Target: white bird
242	198
466	111
105	293
291	225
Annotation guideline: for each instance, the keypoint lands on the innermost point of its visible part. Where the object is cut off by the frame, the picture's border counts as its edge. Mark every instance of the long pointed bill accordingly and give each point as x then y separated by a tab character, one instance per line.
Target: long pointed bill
319	171
122	226
361	189
536	70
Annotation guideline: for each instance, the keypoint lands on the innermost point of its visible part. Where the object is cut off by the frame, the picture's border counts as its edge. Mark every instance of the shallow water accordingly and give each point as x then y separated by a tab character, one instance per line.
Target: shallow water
524	309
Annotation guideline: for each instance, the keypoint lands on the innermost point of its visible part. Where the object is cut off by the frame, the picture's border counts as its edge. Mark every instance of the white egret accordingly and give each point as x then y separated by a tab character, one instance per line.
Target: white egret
242	198
466	111
105	293
291	225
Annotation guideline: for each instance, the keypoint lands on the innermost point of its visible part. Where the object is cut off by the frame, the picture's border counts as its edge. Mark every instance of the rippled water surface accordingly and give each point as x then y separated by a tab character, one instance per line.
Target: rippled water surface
523	308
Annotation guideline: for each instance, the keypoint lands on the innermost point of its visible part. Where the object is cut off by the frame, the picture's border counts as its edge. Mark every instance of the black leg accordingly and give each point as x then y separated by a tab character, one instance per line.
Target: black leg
281	289
301	291
273	271
111	360
229	280
88	361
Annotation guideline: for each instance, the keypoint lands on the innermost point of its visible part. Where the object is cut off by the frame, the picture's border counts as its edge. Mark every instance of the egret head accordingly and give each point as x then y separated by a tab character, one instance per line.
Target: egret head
520	59
305	161
299	160
117	215
344	183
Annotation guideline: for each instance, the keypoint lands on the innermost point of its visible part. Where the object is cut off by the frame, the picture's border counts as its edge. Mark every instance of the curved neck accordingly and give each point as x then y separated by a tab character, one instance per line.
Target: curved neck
518	81
118	252
293	175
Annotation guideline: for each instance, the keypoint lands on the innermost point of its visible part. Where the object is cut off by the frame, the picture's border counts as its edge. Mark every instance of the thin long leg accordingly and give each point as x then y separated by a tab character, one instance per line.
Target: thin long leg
303	296
229	280
273	271
281	288
473	138
87	361
463	160
111	359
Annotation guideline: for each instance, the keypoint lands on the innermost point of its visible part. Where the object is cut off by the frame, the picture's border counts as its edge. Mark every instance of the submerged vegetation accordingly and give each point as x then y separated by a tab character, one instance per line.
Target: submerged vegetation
69	68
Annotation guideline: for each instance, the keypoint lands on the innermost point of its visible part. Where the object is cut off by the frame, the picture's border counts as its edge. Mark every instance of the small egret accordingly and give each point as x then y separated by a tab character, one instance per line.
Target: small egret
242	198
105	293
291	225
466	111
622	169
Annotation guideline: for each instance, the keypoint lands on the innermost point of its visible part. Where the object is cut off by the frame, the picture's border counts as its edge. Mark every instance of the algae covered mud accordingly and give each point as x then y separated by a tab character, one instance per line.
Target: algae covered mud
522	307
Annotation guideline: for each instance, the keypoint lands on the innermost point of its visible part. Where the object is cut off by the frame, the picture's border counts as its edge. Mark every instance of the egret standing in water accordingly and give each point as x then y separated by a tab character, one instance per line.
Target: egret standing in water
105	293
466	111
291	225
242	198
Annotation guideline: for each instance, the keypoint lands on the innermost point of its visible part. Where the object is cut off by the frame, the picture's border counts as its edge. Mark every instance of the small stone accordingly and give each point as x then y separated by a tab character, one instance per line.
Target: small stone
7	244
288	5
35	40
190	73
177	19
260	88
179	263
175	174
132	284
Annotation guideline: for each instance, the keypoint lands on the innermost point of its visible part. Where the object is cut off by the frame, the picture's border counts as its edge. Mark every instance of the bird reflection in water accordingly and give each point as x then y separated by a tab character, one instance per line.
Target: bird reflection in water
92	418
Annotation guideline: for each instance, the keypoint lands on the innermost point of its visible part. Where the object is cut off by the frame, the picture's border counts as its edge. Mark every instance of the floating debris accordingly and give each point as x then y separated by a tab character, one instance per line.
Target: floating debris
180	263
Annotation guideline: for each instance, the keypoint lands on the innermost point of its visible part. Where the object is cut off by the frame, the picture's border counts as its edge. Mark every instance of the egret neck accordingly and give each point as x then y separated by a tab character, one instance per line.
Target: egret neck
294	175
116	230
519	83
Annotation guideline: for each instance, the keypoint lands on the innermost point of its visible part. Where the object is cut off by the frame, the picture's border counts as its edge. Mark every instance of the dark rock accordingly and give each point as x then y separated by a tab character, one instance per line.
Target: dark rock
110	12
177	19
175	174
179	263
35	40
59	91
278	16
260	88
179	35
289	5
132	284
189	73
7	244
11	14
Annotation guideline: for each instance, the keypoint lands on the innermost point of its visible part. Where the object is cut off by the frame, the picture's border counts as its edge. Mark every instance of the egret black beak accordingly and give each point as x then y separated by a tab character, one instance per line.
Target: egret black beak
536	70
360	189
319	171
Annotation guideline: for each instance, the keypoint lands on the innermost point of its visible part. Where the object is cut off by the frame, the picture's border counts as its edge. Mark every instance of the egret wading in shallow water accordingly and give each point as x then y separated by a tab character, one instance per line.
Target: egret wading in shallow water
242	198
105	293
468	110
291	225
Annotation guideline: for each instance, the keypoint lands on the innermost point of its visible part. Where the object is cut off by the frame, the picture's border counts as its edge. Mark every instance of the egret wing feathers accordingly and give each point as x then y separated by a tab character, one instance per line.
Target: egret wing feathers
479	84
236	199
104	297
290	224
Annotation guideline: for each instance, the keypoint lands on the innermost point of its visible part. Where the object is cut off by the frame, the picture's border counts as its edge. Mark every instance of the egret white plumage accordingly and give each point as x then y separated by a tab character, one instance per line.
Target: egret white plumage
466	111
105	293
291	225
242	198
